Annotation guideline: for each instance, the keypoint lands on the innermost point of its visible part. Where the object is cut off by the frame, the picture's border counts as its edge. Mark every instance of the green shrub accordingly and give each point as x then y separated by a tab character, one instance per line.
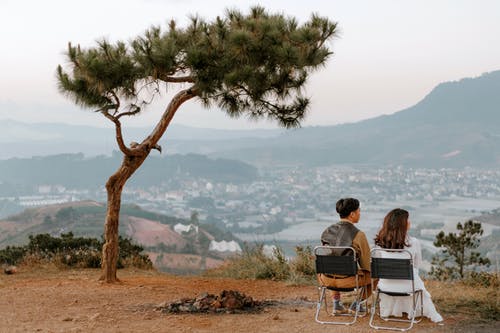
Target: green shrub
12	255
130	255
70	251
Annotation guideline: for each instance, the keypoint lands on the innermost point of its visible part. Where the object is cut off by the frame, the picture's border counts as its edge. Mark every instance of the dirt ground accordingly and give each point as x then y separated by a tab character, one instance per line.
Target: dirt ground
75	301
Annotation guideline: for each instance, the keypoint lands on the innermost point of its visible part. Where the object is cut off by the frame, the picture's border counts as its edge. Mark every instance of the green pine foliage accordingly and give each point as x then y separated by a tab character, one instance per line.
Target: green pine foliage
254	64
457	258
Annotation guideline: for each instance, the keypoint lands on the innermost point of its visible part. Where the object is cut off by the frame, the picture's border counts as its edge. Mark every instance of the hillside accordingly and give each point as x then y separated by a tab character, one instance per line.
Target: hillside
25	140
77	171
169	248
457	124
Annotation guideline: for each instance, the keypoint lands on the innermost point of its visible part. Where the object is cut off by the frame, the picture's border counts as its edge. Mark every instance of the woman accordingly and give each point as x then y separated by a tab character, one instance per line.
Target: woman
394	235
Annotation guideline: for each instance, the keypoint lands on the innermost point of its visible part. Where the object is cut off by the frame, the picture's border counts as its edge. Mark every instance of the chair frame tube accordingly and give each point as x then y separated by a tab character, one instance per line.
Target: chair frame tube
416	295
323	299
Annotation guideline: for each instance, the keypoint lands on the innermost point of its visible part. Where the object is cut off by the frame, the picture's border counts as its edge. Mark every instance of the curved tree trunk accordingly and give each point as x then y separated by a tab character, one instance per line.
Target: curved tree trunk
114	188
132	160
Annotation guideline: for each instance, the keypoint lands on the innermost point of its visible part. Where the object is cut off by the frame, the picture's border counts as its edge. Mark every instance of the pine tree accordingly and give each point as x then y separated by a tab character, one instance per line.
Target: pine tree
253	65
456	254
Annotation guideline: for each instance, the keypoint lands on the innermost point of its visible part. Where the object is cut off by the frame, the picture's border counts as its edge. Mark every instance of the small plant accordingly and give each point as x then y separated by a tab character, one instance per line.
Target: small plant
303	263
457	256
253	263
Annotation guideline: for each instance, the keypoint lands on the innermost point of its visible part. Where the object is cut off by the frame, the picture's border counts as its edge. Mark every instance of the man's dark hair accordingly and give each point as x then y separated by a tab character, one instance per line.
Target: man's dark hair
347	205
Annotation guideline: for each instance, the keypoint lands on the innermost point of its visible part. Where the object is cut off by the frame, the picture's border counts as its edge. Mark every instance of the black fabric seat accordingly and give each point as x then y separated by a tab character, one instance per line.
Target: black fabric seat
338	261
385	267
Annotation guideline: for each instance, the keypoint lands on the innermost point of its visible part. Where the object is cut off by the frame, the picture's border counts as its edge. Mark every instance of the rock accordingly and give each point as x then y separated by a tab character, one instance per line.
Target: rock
10	270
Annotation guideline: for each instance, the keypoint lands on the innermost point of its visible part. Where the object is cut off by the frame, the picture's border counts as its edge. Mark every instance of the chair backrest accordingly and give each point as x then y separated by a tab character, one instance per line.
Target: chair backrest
340	260
385	267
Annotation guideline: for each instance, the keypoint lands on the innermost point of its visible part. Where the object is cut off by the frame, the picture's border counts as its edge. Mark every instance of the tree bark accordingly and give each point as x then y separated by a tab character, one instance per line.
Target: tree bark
132	160
114	187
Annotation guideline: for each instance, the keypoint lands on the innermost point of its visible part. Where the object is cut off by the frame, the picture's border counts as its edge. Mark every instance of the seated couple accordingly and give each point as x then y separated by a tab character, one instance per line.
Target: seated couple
392	235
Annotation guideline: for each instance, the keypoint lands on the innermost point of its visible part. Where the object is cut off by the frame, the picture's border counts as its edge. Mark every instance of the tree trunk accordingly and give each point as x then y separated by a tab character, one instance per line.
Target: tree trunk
132	160
462	262
114	187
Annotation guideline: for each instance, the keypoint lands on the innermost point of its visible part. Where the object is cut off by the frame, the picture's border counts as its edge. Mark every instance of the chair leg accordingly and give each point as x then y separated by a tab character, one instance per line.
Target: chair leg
418	296
374	309
322	299
411	317
360	299
421	305
322	291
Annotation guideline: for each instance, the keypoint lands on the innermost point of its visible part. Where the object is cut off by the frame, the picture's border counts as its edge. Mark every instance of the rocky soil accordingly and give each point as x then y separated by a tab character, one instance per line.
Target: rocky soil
50	300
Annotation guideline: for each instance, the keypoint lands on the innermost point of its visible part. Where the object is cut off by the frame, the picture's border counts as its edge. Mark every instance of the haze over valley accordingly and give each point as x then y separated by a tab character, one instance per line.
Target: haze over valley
439	159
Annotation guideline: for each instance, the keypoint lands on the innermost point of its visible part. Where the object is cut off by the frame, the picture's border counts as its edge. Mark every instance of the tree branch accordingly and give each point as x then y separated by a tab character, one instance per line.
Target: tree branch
119	137
176	79
182	96
129	113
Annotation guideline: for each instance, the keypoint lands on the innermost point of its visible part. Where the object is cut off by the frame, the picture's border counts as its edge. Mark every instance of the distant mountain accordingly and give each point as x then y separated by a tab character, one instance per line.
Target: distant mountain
457	124
78	172
21	139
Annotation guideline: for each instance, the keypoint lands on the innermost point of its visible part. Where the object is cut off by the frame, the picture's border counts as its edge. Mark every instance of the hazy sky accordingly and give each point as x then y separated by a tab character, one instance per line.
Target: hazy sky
388	56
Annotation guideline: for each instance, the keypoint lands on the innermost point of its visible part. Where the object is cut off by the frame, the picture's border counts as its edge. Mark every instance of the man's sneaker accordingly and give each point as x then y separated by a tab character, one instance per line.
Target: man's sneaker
362	307
338	308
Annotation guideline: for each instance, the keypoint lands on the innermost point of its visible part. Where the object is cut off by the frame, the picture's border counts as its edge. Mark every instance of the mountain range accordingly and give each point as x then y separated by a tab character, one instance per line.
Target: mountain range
456	125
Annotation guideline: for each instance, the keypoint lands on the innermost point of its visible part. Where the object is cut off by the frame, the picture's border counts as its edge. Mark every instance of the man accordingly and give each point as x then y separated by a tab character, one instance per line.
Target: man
345	233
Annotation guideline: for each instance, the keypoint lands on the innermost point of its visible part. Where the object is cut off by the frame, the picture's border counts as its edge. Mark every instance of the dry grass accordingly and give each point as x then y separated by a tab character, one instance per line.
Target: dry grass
476	297
479	302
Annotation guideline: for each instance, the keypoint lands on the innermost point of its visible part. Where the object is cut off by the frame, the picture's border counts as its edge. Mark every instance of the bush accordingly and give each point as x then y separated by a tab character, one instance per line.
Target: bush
81	258
70	251
12	255
252	263
130	255
303	263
